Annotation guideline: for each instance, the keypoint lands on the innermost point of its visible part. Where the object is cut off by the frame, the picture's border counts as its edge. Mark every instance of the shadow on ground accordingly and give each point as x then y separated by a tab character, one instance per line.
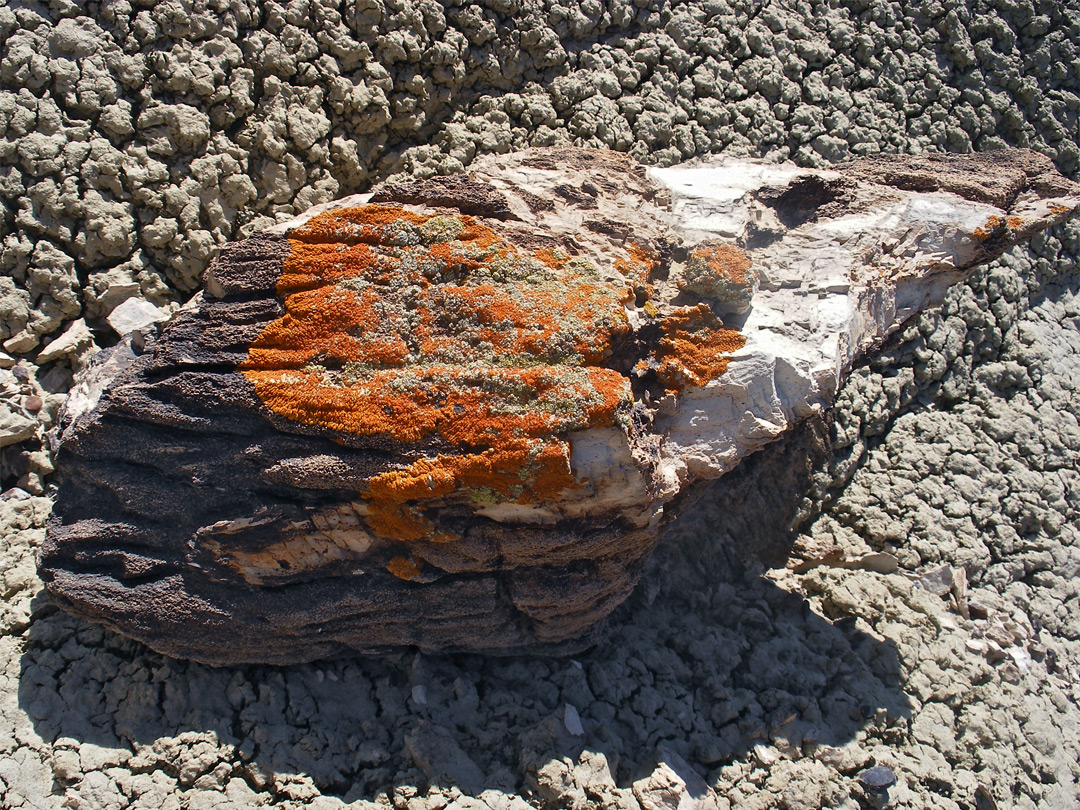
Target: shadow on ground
703	660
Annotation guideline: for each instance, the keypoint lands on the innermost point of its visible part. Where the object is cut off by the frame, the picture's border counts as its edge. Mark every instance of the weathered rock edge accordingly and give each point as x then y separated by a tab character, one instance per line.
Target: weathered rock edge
174	468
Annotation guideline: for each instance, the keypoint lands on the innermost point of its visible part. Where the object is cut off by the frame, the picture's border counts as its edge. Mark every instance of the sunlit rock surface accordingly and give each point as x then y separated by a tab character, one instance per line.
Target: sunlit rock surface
456	413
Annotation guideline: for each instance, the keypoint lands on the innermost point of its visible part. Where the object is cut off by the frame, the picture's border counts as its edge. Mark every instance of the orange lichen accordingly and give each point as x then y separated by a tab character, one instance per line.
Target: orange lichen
432	327
720	273
997	225
553	257
403	569
524	472
695	348
726	262
410	325
993	224
638	266
397	521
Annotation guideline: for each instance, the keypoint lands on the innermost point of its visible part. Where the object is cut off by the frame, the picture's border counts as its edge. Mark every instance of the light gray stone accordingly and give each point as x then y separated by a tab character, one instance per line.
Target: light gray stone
133	314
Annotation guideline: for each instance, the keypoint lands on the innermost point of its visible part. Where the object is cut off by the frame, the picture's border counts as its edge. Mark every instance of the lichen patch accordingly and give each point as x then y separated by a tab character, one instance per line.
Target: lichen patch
720	273
695	347
434	330
431	325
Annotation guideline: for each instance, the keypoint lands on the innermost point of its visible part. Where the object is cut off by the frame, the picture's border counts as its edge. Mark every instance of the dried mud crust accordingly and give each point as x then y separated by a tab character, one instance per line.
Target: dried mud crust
136	141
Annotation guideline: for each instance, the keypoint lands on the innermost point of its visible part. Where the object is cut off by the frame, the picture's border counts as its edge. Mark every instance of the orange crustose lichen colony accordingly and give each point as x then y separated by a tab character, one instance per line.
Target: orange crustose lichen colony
998	225
695	347
424	326
720	273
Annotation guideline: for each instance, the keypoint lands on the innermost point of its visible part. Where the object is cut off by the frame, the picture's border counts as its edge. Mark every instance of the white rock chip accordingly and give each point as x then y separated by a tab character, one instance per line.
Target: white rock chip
135	313
572	720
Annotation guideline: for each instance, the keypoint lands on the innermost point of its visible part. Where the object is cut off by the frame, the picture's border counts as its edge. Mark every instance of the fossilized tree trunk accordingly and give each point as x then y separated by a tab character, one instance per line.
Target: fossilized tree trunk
455	413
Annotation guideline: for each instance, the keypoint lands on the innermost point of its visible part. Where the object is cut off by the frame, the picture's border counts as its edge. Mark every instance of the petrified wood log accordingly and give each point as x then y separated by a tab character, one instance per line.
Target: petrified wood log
455	413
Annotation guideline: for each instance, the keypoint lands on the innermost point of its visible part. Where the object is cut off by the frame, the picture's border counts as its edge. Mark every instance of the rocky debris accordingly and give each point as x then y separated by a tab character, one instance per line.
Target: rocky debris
27	411
938	581
15	427
562	771
76	344
877	781
879	778
1008	640
461	432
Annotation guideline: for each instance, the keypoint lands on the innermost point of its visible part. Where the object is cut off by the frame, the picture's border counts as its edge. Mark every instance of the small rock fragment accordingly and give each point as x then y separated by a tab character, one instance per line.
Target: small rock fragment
939	581
572	721
984	799
959	592
135	313
75	340
1021	659
665	789
21	343
695	783
438	755
15	427
766	755
878	778
881	563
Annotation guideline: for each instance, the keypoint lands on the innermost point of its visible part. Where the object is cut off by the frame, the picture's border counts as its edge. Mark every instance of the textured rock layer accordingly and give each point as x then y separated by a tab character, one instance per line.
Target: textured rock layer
454	413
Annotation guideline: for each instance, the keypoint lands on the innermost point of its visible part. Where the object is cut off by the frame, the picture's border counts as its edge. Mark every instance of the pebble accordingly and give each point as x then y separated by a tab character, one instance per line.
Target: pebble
939	581
767	756
1021	658
135	313
878	778
572	721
